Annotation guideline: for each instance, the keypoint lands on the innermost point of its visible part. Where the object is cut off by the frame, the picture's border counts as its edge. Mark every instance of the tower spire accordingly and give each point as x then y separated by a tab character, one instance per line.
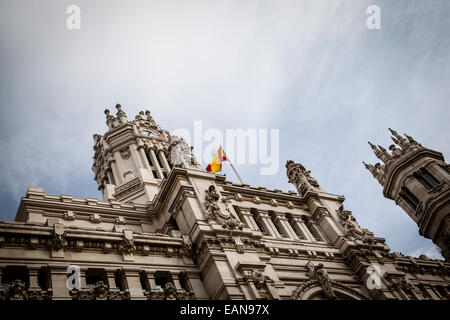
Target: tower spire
398	139
384	156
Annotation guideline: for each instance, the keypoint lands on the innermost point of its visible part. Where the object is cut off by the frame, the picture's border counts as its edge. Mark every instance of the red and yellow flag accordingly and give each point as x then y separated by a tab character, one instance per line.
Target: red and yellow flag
216	163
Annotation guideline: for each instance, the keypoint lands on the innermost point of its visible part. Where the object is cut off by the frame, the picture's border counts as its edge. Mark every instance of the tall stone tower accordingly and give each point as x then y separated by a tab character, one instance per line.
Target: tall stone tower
417	179
133	157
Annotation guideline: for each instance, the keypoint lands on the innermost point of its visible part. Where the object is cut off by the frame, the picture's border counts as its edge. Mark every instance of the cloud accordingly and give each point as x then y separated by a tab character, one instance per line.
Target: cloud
431	252
308	68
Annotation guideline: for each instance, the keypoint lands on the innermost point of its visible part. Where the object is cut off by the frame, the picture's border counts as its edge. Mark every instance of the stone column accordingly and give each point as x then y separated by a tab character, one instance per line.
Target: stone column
313	226
144	159
133	280
431	292
301	229
110	274
176	280
165	164
155	163
267	224
151	279
247	217
83	284
33	275
283	224
58	275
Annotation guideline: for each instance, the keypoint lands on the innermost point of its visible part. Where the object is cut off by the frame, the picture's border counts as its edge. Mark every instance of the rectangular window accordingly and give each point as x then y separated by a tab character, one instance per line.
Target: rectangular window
161	278
12	273
44	278
95	275
119	276
430	178
422	181
410	198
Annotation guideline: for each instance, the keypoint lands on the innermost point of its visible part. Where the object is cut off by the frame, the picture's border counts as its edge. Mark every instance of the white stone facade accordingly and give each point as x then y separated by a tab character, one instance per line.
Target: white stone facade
167	229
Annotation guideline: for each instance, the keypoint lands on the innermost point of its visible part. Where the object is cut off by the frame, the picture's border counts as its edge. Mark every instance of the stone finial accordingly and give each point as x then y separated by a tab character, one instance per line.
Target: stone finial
384	152
376	170
398	139
300	177
384	156
121	115
96	137
109	119
410	139
394	150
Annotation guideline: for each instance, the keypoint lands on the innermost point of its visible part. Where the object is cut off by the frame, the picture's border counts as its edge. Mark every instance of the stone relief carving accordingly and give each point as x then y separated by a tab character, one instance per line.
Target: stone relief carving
258	279
17	291
125	153
180	154
100	292
320	275
214	213
127	245
58	239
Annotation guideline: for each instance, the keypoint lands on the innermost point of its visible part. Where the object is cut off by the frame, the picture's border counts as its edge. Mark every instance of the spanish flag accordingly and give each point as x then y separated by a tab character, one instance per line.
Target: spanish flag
216	163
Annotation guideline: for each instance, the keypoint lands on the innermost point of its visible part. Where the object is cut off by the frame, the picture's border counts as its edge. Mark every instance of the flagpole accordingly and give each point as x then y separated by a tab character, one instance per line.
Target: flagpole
239	177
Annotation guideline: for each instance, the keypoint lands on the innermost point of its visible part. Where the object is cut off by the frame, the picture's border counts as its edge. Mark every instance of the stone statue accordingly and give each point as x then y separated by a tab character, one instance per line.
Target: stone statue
319	274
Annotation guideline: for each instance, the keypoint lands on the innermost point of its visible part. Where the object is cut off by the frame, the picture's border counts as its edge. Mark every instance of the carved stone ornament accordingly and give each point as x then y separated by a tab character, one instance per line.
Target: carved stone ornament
169	292
352	230
300	177
125	153
213	212
320	275
17	290
100	292
127	245
180	154
58	239
258	279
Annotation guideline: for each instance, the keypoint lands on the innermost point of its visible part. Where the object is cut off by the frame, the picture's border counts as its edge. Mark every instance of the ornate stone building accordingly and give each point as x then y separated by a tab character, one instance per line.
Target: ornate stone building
167	229
417	179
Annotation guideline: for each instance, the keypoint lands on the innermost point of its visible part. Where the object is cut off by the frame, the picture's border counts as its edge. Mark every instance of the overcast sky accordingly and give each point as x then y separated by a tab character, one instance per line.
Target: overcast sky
309	68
